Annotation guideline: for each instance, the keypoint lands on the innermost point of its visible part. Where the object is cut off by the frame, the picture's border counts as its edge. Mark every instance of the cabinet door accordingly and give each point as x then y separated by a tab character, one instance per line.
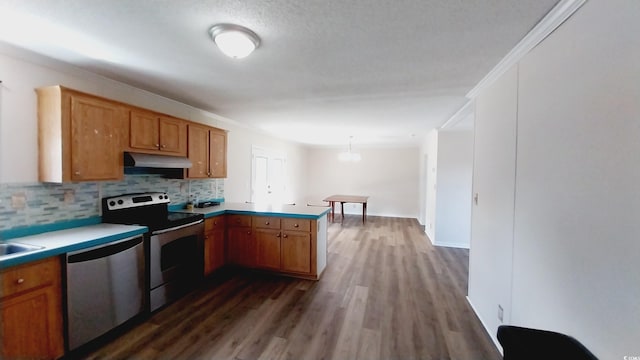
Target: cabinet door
218	153
96	152
143	130
31	326
296	252
268	249
213	251
31	311
241	246
198	152
173	136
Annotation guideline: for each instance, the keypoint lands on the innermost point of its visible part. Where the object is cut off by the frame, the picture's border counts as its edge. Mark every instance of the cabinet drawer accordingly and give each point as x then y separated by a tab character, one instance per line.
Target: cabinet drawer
239	220
214	223
29	276
266	222
296	224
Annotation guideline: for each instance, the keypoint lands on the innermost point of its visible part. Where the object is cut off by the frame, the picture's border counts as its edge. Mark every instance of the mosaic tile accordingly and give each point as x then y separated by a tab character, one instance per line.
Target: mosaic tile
45	202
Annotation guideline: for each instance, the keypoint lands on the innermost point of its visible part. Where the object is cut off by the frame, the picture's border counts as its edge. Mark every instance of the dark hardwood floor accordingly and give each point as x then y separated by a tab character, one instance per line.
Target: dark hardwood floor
386	293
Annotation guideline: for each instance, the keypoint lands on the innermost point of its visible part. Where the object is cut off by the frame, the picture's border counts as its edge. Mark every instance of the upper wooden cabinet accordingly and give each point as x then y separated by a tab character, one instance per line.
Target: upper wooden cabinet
154	133
79	136
207	152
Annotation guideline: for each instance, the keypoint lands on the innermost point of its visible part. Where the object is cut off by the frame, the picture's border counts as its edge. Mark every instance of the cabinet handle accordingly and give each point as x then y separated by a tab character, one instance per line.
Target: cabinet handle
20	281
77	172
284	236
158	146
266	223
278	235
163	146
248	232
215	223
296	225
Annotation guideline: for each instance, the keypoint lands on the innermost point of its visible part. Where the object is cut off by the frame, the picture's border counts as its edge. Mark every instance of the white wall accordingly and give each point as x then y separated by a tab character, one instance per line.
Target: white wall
238	183
22	72
577	224
576	229
389	176
445	184
494	170
454	174
429	151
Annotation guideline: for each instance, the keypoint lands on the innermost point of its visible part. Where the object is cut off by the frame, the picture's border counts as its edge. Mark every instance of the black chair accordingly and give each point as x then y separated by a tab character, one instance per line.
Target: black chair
521	343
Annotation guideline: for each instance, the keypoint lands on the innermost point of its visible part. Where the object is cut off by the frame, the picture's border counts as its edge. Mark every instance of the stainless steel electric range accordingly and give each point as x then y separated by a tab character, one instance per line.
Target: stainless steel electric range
175	250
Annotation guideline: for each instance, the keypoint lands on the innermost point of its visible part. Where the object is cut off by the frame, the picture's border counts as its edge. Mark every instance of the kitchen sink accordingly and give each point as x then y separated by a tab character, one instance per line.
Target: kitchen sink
7	249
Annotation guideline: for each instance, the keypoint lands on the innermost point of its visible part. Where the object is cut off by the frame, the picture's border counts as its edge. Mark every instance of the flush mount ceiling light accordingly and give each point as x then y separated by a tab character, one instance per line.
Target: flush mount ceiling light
235	41
349	155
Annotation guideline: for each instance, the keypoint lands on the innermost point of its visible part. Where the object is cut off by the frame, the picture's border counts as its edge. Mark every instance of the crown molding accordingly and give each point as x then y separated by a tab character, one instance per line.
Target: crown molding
461	114
558	15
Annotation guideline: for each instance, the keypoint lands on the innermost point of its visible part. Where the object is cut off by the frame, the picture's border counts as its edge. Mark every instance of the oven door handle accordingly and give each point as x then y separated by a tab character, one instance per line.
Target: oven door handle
158	232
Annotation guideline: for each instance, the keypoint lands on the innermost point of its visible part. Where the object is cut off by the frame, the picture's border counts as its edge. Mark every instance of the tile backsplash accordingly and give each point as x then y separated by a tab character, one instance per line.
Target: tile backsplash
29	204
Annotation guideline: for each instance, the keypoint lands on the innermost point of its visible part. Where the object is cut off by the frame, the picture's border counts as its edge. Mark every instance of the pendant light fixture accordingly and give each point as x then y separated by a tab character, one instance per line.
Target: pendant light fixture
349	155
235	41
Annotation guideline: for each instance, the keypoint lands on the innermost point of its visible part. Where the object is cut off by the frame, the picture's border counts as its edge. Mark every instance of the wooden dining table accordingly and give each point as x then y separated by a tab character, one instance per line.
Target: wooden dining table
342	199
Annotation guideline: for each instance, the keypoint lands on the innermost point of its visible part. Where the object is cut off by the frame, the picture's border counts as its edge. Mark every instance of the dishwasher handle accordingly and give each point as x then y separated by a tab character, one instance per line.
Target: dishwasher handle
103	251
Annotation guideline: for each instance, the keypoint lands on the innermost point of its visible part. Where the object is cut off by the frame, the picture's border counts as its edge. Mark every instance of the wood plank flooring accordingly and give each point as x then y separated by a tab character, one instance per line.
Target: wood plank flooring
386	293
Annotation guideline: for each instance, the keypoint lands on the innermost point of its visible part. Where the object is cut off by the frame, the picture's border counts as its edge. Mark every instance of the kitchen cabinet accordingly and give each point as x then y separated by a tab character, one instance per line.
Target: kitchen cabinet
79	136
240	241
267	233
207	150
268	249
31	311
284	244
297	245
157	134
214	244
218	153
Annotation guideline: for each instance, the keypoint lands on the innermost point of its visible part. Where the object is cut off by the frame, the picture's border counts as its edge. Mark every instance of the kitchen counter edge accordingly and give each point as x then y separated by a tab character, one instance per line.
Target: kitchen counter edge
63	241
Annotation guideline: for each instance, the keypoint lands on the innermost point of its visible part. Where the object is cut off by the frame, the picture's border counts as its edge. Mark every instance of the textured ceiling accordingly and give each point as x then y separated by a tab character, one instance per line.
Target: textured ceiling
380	70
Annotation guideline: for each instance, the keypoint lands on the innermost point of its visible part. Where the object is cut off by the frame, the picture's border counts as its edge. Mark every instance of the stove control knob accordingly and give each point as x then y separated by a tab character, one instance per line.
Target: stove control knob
112	203
120	202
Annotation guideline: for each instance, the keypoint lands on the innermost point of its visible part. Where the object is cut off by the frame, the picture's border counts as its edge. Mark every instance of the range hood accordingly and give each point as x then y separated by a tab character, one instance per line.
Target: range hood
156	161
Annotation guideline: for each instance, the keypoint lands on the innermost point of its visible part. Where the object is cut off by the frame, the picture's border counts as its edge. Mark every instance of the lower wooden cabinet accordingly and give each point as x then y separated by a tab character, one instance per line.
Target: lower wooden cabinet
214	244
240	241
296	252
31	311
268	249
283	245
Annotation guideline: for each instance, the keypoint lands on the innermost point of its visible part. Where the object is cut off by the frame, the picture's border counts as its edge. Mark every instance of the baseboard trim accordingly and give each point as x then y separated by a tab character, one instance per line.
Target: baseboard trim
486	329
457	246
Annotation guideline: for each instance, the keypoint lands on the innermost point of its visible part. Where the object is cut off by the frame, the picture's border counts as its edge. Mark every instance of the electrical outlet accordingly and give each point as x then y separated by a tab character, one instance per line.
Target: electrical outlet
69	196
500	313
18	201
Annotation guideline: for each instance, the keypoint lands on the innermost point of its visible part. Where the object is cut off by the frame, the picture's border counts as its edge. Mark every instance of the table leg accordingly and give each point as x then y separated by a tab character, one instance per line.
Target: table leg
342	212
333	211
364	212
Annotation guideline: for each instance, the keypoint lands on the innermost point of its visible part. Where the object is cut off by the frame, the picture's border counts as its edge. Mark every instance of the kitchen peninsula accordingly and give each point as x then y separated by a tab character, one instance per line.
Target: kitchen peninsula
287	240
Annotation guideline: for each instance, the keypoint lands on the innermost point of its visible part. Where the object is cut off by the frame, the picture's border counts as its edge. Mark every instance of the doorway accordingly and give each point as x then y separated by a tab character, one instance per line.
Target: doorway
268	176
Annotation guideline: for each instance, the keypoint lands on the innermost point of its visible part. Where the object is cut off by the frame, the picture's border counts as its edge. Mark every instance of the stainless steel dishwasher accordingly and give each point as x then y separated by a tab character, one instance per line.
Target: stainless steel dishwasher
105	288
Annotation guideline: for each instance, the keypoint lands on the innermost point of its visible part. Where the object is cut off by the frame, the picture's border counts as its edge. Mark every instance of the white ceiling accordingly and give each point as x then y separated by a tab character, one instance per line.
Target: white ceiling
383	71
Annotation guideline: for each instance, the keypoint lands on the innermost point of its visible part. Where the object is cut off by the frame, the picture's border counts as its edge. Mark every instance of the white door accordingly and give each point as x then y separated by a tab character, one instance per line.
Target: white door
268	177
